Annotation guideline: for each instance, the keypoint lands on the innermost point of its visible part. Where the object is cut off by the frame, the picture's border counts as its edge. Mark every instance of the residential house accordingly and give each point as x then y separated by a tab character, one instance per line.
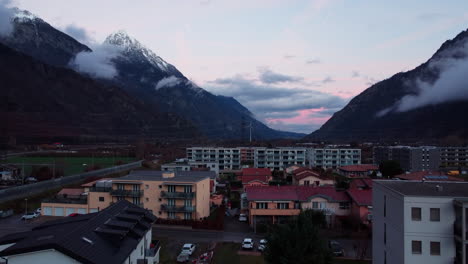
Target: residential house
121	233
308	177
420	222
255	177
169	195
358	171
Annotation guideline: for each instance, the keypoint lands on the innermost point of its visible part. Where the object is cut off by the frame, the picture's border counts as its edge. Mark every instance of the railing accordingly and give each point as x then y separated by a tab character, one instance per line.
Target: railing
151	252
100	189
173	208
66	201
180	195
128	193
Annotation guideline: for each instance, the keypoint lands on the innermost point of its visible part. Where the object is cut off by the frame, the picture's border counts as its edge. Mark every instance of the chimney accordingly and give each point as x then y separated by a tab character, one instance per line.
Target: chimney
169	174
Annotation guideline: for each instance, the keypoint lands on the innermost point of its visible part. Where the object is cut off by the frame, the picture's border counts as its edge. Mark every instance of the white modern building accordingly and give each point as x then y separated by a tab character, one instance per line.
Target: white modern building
279	158
121	233
419	222
225	158
333	157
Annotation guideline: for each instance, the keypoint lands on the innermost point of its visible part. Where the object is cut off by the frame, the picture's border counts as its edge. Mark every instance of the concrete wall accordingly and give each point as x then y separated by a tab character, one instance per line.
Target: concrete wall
203	198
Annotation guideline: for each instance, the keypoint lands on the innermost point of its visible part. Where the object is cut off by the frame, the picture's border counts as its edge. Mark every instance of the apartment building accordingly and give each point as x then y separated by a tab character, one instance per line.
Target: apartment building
332	158
276	204
169	195
410	158
279	158
186	165
121	233
454	157
420	222
226	158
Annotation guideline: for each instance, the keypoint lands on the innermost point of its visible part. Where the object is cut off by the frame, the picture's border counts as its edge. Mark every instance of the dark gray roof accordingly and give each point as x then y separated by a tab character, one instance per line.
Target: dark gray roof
427	188
180	176
102	237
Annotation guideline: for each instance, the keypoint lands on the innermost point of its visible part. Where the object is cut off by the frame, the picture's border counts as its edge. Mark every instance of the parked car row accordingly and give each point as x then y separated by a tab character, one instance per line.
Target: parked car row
249	244
31	215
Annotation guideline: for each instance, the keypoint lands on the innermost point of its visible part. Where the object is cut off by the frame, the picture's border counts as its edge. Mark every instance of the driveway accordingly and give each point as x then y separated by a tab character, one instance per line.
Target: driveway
14	224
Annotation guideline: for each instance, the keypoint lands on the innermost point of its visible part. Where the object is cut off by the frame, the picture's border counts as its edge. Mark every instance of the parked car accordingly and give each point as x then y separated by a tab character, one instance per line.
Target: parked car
243	218
30	215
39	211
183	257
188	249
262	245
247	243
336	248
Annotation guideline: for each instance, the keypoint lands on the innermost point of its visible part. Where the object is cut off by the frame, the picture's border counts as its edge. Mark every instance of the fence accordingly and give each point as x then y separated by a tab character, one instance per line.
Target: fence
25	191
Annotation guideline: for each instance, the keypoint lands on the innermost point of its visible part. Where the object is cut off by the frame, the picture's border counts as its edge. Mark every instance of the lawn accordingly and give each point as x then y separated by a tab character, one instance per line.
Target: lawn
70	165
226	253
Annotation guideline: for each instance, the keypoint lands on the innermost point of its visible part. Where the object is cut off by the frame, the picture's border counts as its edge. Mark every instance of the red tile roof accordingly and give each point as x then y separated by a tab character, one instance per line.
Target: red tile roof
361	197
294	193
360	168
307	174
256	172
71	191
299	170
249	178
428	176
361	183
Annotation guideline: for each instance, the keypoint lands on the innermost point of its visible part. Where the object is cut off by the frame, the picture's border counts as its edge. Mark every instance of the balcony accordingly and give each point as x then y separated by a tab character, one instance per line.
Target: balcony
127	193
100	189
63	200
178	195
173	208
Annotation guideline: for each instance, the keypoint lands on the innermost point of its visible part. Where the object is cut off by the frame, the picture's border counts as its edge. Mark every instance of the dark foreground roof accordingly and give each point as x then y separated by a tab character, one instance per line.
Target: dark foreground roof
108	236
432	188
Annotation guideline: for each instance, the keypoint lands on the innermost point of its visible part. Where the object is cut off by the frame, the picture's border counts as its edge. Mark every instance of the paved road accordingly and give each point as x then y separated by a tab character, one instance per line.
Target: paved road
203	235
14	224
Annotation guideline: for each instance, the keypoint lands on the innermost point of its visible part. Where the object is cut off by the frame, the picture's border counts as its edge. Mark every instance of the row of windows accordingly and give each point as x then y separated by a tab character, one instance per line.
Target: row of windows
434	214
434	247
278	206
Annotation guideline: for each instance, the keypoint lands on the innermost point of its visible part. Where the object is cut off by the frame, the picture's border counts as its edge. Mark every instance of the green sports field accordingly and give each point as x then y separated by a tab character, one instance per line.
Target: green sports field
70	165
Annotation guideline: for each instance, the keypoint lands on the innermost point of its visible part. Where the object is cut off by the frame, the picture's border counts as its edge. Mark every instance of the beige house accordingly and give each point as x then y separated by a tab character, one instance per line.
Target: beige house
307	177
168	195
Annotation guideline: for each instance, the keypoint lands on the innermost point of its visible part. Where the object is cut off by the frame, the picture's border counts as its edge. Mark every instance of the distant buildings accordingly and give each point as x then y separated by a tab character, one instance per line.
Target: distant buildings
279	158
169	195
410	158
420	222
119	234
333	157
454	157
358	171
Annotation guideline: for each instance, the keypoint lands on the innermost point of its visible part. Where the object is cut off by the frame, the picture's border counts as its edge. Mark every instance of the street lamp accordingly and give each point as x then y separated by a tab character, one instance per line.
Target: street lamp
26	208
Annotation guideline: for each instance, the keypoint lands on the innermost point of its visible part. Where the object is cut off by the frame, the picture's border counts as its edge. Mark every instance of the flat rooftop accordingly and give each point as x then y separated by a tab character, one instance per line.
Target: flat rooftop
180	176
427	188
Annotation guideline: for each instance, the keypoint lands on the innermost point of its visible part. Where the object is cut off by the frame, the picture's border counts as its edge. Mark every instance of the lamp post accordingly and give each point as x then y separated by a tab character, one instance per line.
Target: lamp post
26	208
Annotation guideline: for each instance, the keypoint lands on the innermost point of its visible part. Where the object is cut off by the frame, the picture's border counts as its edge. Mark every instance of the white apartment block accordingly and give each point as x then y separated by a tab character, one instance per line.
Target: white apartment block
419	222
333	157
279	158
226	158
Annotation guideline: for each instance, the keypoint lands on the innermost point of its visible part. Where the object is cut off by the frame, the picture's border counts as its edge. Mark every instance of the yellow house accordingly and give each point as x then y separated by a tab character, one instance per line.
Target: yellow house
168	195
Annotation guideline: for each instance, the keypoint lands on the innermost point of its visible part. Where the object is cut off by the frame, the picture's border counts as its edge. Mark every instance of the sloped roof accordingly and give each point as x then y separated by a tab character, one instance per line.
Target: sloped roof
71	191
108	236
361	197
261	178
294	193
428	176
360	168
256	172
361	183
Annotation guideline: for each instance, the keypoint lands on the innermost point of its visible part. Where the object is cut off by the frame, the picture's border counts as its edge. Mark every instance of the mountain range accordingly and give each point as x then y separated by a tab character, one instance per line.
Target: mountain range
146	95
426	104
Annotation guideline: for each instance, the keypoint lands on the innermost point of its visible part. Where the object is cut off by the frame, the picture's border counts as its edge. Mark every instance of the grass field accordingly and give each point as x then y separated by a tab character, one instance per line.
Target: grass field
70	165
226	253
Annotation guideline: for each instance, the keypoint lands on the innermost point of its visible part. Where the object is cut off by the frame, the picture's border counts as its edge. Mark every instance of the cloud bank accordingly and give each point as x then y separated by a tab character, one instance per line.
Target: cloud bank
168	82
78	33
449	87
7	14
97	63
270	77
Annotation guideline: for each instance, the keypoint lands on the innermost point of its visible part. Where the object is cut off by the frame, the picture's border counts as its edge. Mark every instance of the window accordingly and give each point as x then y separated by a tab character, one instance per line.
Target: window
344	205
435	248
384	205
146	186
416	247
262	206
315	205
188	189
171	188
188	216
171	215
415	213
306	183
283	205
435	214
101	198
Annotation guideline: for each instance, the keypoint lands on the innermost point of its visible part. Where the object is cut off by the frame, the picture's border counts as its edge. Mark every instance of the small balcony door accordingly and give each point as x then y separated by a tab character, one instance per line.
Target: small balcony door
187	203
171	188
170	202
188	189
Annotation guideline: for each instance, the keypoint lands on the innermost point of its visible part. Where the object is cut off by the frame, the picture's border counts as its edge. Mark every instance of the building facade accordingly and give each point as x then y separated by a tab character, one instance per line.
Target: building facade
333	157
410	158
169	195
419	222
226	158
279	158
454	157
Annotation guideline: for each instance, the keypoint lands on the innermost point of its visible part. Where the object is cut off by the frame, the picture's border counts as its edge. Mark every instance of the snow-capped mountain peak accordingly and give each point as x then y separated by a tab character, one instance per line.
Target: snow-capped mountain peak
133	48
24	15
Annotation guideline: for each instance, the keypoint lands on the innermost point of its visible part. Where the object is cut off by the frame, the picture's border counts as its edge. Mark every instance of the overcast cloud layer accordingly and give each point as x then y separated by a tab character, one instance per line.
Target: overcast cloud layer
6	16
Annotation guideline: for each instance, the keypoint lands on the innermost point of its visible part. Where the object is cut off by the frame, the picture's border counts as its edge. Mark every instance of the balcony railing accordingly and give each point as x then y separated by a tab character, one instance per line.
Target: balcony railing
100	189
173	208
178	195
66	200
127	193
